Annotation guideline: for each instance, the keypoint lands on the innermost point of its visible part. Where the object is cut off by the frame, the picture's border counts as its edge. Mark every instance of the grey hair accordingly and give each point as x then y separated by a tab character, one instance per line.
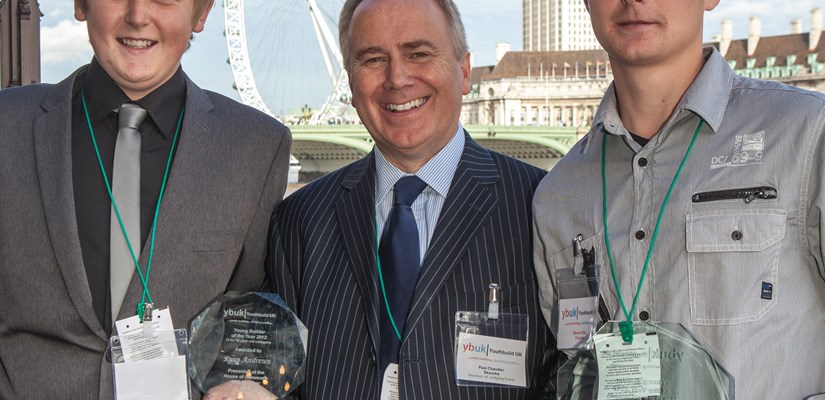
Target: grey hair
447	6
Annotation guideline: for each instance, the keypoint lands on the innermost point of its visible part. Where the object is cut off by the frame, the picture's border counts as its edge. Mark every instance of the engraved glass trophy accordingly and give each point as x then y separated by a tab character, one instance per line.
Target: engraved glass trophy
247	337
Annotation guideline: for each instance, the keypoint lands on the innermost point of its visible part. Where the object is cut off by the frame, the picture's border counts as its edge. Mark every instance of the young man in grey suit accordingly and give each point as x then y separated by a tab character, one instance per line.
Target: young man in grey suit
734	250
57	234
329	254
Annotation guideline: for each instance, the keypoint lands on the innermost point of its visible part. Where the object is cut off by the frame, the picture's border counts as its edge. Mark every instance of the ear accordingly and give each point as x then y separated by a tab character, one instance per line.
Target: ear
79	12
711	4
351	89
466	68
201	21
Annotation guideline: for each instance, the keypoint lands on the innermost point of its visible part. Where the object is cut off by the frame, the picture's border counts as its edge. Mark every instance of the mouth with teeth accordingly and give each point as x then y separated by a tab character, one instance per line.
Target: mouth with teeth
136	43
406	106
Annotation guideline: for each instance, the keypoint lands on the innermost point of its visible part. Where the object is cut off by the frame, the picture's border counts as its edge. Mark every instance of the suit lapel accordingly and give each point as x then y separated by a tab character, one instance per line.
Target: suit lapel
356	221
53	153
470	201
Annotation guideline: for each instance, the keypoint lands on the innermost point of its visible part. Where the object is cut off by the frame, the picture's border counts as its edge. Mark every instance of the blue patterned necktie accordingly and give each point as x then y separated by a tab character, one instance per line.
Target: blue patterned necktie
400	263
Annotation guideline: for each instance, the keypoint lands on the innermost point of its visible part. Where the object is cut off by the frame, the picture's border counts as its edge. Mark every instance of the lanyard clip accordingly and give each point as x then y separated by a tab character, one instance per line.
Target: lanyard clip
147	320
577	244
147	312
493	297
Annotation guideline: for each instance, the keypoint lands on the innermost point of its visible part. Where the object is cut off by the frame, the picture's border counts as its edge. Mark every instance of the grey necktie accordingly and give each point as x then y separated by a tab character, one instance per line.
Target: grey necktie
126	192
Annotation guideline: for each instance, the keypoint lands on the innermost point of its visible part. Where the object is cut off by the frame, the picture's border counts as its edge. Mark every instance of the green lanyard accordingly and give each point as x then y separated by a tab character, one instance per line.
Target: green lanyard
381	280
626	327
143	280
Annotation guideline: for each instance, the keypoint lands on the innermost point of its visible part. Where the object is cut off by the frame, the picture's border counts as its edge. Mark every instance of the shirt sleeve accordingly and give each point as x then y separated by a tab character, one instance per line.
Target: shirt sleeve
541	262
814	186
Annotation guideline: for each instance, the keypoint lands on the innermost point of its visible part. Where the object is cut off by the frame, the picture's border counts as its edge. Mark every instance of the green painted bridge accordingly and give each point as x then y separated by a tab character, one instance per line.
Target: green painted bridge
324	148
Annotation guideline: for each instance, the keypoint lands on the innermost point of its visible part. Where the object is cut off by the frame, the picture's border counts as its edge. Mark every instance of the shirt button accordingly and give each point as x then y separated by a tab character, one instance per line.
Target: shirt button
644	315
642	162
640	234
736	235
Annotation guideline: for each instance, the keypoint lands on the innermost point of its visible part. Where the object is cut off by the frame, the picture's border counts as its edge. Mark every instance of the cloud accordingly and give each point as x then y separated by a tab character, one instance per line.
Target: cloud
54	10
66	42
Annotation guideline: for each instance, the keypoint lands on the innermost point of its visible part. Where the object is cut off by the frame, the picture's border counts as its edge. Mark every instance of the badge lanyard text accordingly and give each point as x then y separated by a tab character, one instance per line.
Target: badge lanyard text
626	327
143	279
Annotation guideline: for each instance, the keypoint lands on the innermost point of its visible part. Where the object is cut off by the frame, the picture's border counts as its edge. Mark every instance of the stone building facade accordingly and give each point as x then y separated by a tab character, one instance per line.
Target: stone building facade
564	88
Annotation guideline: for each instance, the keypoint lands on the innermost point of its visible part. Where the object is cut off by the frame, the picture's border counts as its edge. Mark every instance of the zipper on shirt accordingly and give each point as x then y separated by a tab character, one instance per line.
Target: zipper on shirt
603	313
746	194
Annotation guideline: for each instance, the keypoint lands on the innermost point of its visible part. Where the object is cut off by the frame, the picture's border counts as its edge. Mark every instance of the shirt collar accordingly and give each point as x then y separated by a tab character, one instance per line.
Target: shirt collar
437	173
706	97
163	104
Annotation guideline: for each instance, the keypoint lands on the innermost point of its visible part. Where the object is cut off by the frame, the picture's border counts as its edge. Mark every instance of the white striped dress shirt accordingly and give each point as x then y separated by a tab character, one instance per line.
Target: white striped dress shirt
436	173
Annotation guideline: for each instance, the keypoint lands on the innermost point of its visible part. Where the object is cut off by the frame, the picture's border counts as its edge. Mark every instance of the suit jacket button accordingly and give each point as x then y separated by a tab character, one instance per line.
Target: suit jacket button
372	357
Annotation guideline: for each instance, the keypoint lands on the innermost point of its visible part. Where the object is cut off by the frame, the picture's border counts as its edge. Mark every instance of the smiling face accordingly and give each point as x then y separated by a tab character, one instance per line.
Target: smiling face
648	32
139	43
406	79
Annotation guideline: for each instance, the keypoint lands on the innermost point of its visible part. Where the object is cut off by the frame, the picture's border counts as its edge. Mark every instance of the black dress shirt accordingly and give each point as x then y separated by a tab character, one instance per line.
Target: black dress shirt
92	203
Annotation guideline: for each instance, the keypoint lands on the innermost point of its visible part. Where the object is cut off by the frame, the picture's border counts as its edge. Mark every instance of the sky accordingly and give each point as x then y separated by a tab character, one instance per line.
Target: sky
286	59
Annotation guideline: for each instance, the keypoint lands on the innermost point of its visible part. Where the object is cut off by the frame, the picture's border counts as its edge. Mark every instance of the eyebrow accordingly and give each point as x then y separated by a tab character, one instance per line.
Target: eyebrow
415	44
372	49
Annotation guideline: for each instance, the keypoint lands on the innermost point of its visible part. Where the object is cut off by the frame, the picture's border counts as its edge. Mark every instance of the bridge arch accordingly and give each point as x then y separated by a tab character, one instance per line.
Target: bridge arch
324	148
551	143
360	143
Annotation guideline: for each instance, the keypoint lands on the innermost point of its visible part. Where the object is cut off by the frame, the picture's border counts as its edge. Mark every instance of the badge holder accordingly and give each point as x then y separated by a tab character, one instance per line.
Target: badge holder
577	311
664	361
149	364
491	347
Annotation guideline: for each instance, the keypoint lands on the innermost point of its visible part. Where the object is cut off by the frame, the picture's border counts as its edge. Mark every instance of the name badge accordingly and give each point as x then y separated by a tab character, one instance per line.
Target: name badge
491	360
148	359
577	321
628	370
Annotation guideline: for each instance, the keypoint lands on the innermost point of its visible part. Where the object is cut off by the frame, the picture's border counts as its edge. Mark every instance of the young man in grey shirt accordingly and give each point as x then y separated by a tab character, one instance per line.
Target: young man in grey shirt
738	255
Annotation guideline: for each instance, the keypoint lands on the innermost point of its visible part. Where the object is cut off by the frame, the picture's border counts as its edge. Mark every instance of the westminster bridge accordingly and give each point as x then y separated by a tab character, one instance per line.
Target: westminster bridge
324	148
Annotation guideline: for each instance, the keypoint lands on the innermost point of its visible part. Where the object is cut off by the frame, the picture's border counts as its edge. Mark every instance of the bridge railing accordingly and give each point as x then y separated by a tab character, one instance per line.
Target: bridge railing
489	130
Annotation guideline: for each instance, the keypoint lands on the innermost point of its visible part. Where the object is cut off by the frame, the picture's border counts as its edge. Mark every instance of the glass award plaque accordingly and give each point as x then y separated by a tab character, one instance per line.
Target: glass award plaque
688	370
247	337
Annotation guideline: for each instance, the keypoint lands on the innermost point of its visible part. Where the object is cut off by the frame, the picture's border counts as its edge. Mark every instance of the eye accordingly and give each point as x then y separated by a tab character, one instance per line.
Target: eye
373	60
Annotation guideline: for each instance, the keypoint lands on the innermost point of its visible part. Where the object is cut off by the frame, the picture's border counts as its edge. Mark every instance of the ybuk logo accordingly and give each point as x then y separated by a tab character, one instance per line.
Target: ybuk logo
473	348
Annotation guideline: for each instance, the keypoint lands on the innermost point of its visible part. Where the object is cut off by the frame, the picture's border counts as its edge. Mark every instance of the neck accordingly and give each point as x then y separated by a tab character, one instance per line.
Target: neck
648	94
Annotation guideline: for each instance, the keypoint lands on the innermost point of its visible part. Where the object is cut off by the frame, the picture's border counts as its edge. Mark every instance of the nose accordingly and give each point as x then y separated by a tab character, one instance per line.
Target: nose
137	13
398	75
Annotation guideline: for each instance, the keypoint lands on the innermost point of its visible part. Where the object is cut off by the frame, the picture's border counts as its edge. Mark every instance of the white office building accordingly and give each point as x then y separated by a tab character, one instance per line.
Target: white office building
556	25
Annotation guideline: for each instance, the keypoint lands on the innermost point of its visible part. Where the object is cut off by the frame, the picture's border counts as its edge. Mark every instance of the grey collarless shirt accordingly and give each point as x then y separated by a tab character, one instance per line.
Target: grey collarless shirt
745	277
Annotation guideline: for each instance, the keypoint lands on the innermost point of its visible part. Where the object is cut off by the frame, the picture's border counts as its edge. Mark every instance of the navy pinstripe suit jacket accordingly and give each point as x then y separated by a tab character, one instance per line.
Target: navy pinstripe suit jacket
322	262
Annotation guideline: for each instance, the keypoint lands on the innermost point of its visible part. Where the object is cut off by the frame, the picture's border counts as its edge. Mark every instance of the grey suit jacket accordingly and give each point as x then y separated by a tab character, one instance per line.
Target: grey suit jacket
228	173
322	262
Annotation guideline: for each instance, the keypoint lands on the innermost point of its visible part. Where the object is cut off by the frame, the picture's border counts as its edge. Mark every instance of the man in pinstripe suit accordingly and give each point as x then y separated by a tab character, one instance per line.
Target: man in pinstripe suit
409	66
